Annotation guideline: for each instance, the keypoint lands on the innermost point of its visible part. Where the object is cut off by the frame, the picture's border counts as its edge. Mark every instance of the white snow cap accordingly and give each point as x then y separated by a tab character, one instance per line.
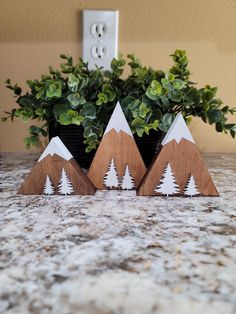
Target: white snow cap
177	131
118	121
56	146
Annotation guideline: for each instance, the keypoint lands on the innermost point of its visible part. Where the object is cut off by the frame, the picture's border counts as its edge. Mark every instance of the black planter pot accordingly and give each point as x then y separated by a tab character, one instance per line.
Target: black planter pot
72	137
149	145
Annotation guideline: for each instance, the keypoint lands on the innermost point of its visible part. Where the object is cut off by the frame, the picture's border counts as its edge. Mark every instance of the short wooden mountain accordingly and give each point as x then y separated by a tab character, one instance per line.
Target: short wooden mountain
178	168
57	172
117	163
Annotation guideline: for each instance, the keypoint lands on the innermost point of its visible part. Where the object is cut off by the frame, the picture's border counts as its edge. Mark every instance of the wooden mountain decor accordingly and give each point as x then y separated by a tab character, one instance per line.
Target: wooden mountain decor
57	172
178	168
117	163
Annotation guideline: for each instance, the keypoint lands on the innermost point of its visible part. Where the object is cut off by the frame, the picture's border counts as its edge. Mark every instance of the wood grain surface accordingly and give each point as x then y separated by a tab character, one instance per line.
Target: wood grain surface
185	160
123	149
52	166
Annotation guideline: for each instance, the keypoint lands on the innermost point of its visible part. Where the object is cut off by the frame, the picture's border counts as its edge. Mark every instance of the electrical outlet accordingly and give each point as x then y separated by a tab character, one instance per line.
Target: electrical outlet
100	38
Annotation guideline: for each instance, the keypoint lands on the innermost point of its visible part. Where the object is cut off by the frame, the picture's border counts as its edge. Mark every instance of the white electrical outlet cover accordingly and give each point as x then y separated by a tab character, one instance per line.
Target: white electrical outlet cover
100	37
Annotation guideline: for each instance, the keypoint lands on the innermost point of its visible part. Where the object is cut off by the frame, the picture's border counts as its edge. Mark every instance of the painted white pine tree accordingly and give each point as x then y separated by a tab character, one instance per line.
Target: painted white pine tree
127	180
65	186
48	187
111	179
168	185
191	188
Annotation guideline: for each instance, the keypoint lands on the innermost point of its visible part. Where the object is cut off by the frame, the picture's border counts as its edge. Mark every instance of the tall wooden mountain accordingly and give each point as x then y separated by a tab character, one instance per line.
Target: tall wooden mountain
178	164
57	172
117	156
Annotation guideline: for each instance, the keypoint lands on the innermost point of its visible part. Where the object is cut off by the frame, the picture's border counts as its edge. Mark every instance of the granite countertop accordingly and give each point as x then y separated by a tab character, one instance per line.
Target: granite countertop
115	253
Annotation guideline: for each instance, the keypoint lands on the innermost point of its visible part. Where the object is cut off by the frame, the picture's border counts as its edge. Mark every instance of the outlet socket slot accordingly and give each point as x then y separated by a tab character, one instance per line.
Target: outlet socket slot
99	30
98	52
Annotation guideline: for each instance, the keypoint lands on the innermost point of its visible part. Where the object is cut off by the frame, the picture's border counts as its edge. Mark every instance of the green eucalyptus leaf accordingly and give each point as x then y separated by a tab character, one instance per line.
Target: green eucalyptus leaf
127	101
137	122
109	91
77	120
165	101
175	95
24	113
225	109
102	99
154	90
219	127
73	83
214	115
134	105
168	118
208	94
233	133
54	90
150	94
155	124
143	110
33	129
230	126
76	99
30	141
58	109
169	76
135	113
166	122
44	133
140	131
178	84
157	114
88	132
66	118
40	112
89	111
165	83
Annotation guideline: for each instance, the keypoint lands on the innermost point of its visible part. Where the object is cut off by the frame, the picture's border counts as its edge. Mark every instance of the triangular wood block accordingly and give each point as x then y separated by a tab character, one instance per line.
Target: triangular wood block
117	163
57	172
178	169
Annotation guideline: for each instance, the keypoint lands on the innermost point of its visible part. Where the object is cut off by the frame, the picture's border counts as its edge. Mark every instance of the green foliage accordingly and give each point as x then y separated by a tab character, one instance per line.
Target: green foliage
150	98
108	94
76	99
70	117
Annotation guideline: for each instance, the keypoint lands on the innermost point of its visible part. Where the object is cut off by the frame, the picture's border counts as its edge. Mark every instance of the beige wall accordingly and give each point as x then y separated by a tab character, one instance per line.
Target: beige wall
34	32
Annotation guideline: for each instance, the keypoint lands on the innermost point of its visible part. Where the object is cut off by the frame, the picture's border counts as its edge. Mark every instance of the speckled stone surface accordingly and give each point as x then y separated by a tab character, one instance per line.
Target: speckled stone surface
115	253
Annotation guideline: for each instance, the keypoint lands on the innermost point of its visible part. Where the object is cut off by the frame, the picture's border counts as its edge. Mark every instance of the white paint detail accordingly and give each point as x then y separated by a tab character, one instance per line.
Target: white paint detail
168	185
177	131
100	37
111	179
48	187
191	188
56	146
65	186
118	121
127	180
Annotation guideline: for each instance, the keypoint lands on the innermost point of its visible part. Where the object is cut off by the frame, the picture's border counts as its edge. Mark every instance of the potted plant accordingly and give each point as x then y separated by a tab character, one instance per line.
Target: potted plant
76	103
68	104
